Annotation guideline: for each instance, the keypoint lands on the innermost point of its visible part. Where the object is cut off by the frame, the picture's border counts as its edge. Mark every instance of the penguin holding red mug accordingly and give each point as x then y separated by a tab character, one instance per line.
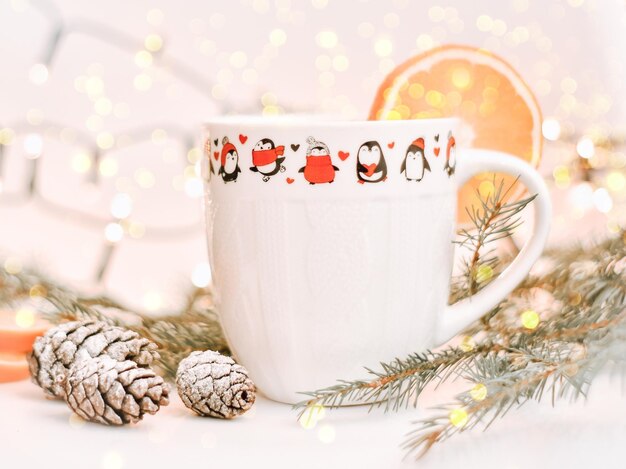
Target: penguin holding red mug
415	163
319	167
267	158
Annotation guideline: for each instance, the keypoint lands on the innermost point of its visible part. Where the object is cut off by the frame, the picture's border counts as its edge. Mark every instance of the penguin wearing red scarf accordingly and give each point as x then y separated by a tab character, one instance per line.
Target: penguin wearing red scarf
415	163
370	163
267	158
450	165
229	160
319	168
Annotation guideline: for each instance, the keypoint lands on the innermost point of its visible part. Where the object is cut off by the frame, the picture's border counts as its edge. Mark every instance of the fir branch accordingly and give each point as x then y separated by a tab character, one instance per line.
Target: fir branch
195	327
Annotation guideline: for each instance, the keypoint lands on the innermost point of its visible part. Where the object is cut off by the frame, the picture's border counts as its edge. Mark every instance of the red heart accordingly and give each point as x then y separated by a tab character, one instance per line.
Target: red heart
290	180
390	145
343	155
243	138
216	154
370	169
436	150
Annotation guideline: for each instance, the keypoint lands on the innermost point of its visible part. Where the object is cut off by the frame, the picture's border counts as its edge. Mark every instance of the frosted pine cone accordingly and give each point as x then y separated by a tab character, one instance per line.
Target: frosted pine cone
111	392
54	353
213	385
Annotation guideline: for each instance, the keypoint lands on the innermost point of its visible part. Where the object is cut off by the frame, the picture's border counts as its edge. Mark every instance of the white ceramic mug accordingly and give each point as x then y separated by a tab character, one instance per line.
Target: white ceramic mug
331	242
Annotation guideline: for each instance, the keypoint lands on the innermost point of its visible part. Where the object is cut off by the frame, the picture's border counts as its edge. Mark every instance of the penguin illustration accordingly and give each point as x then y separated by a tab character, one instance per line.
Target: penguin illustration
267	158
319	167
450	166
207	152
370	163
415	163
230	162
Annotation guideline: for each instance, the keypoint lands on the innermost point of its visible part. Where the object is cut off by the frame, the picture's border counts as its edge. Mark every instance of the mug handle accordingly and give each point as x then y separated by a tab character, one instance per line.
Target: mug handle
470	162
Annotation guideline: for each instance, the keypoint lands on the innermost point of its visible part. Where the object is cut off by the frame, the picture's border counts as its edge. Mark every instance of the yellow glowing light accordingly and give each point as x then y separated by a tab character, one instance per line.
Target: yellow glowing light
7	136
81	162
152	300
145	178
498	28
76	421
326	433
341	63
326	39
158	136
105	140
311	415
38	74
153	42
142	82
25	317
551	129
238	59
486	188
530	319
416	90
143	59
136	230
425	42
561	176
461	78
108	166
575	3
467	344
585	147
366	29
154	17
12	265
383	47
569	85
484	23
34	116
615	181
103	106
219	91
94	86
458	417
278	37
37	291
435	98
478	392
436	14
484	273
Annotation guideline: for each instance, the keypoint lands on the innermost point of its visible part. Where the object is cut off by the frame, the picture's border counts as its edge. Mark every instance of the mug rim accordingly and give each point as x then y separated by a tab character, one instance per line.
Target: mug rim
308	120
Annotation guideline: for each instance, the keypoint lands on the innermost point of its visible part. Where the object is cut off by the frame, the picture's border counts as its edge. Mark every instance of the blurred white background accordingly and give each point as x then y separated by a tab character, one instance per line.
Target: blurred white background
102	104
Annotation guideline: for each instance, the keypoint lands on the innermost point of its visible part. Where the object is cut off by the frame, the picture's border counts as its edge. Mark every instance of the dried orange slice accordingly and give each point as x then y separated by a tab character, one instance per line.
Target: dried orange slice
497	108
13	367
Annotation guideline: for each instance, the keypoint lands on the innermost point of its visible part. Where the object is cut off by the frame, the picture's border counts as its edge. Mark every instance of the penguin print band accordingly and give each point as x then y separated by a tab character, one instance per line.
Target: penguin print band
317	165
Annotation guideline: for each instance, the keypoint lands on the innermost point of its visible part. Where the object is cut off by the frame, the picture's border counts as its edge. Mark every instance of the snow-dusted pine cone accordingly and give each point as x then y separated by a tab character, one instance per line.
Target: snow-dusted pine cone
213	385
62	345
114	392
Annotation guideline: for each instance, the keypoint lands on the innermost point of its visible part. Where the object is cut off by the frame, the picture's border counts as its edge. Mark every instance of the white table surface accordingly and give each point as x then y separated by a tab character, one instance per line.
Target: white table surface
38	433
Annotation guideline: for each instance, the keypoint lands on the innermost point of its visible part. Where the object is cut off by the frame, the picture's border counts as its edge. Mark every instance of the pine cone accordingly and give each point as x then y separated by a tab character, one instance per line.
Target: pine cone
213	385
62	345
114	392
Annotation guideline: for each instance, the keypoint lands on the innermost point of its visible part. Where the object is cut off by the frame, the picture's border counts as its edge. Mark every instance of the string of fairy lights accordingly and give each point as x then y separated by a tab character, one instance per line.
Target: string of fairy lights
94	159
